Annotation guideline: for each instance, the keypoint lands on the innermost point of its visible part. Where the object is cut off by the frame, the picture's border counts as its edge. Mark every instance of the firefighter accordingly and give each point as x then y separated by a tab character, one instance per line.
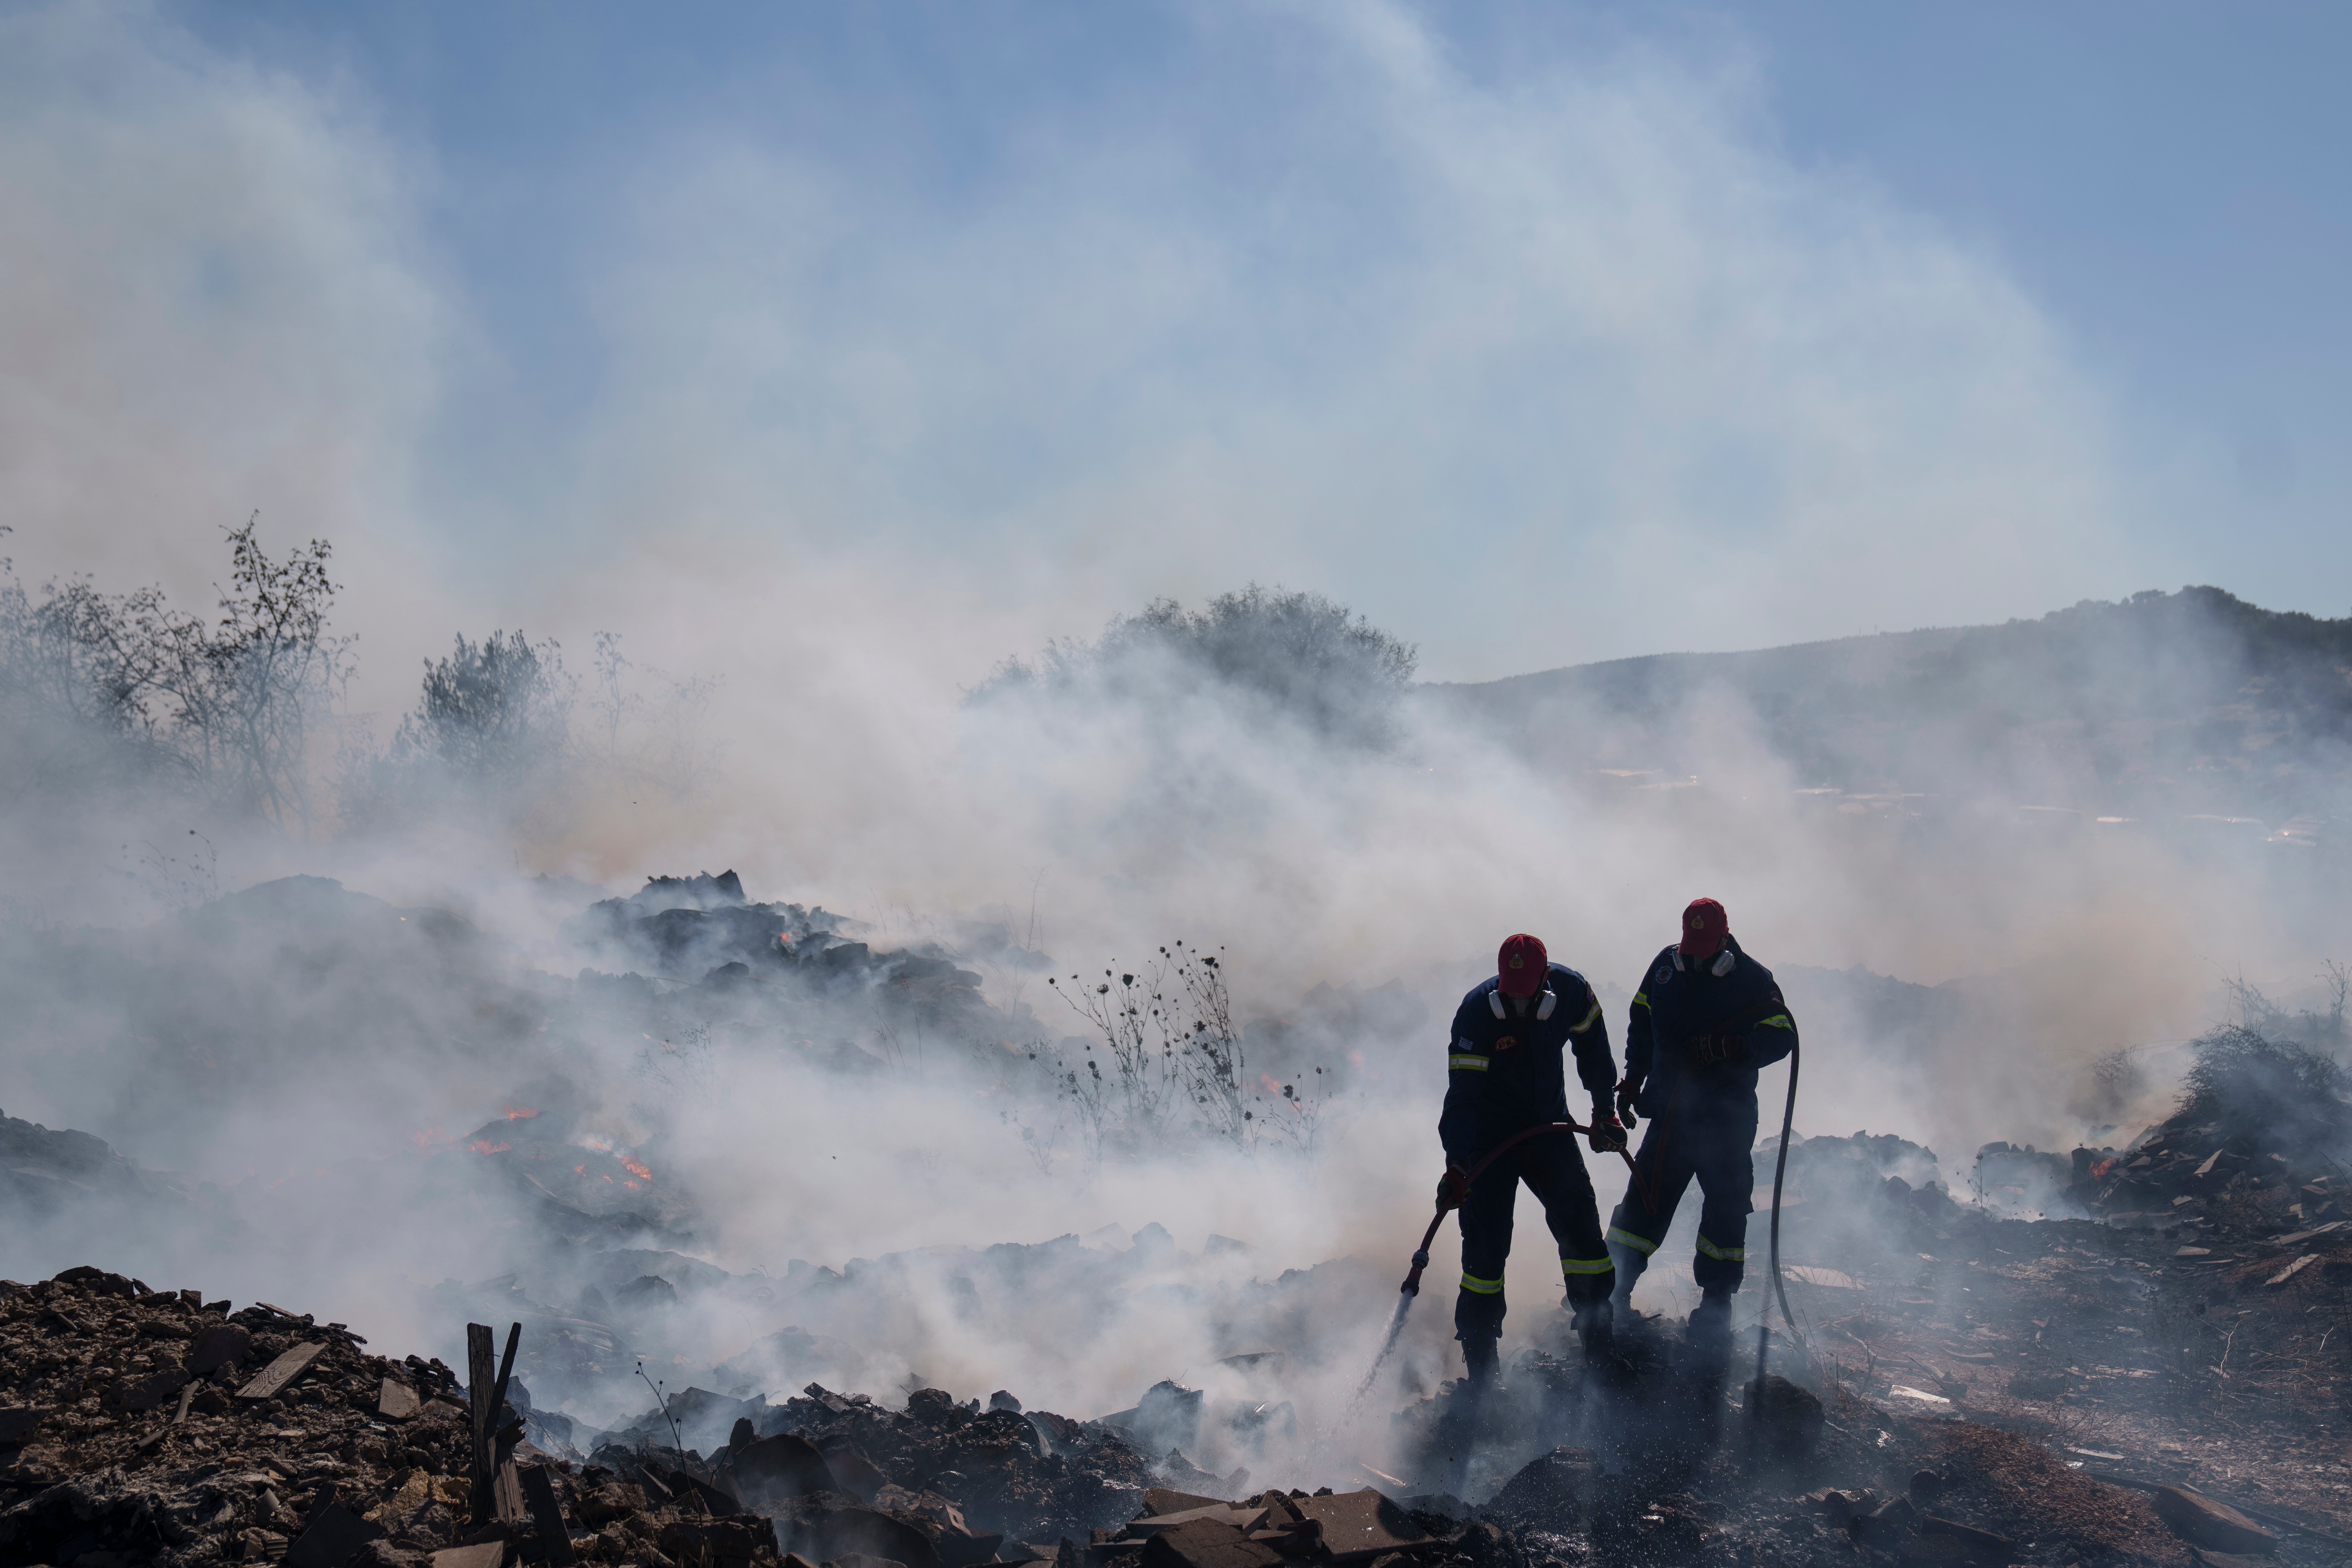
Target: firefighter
1706	1018
1505	1073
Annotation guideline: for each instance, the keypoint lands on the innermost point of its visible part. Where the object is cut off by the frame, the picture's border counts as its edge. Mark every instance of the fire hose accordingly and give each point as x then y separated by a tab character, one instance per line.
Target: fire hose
1780	1169
1411	1286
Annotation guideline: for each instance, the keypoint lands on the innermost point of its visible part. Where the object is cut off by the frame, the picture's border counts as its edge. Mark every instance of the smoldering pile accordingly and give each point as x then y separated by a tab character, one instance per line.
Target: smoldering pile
140	1425
2256	1147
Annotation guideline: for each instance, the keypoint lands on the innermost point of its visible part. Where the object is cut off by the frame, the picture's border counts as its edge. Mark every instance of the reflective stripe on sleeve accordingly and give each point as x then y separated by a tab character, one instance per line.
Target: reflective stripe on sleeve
1587	1022
1641	998
1585	1266
1472	1283
1728	1254
1777	1021
1466	1064
1641	1244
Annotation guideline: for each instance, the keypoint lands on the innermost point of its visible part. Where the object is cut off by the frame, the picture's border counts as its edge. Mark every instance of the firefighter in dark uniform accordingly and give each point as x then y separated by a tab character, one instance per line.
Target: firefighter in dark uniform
1706	1018
1505	1073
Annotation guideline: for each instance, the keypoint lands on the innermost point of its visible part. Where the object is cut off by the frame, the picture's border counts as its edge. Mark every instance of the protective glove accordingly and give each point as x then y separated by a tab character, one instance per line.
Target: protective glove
1626	1093
1708	1050
1608	1134
1452	1188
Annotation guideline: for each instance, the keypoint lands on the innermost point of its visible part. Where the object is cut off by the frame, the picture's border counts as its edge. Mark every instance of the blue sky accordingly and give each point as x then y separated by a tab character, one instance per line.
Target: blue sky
1539	332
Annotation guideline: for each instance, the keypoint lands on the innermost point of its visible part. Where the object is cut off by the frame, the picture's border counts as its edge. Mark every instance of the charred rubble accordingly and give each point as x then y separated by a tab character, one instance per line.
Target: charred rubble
139	1427
145	1426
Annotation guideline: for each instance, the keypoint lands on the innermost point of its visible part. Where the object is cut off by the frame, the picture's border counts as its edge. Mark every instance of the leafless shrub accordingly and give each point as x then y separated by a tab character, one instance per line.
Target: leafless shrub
1171	1062
125	686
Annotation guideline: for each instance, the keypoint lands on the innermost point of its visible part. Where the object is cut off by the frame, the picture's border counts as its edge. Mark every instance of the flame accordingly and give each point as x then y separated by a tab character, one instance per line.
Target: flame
484	1146
579	1170
431	1138
516	1112
1266	1080
636	1170
2102	1168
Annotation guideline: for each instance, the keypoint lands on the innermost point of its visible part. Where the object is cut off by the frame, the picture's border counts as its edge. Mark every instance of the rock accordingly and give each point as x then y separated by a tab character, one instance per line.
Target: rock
2200	1520
614	1500
1557	1485
333	1535
1789	1414
826	1527
1887	1525
222	1345
150	1392
780	1466
1445	1505
737	1539
1981	1545
1205	1544
18	1425
930	1404
1002	1400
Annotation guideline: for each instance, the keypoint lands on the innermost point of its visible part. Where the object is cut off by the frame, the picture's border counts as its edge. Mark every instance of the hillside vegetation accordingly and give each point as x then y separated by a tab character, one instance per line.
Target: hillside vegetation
2194	702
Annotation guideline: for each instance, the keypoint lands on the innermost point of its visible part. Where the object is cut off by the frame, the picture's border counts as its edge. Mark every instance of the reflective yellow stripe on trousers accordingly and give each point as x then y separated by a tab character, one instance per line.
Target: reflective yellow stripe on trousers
1483	1286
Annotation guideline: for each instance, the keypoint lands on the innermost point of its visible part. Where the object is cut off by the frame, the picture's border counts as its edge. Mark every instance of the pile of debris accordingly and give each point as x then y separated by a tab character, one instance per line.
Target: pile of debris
150	1426
2253	1149
140	1425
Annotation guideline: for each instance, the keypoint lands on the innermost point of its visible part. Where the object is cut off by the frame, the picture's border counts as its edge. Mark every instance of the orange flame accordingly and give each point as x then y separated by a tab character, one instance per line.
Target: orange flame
484	1146
516	1112
636	1170
431	1138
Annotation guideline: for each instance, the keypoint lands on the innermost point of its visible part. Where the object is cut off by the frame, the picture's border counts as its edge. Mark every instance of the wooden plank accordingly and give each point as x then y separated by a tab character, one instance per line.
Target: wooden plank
506	1485
547	1514
488	1555
480	1378
180	1416
281	1372
506	1489
2291	1269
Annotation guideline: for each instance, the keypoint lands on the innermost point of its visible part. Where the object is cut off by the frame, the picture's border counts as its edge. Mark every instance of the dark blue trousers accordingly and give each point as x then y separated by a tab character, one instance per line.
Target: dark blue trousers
1554	1170
1713	1144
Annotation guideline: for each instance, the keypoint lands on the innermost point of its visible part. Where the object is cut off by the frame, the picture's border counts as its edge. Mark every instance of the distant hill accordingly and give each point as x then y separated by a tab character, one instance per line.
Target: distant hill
2184	705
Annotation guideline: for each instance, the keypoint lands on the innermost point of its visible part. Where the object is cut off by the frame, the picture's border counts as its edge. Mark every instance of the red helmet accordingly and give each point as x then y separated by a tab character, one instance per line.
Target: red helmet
1520	967
1705	925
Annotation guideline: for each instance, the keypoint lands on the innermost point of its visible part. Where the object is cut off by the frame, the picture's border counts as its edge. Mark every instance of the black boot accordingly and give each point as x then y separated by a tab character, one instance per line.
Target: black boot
1710	1325
1482	1358
1596	1322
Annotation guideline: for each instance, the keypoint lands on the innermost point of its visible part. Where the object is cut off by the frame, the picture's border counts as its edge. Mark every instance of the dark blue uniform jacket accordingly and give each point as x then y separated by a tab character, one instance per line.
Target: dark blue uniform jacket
1507	1072
1681	1001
